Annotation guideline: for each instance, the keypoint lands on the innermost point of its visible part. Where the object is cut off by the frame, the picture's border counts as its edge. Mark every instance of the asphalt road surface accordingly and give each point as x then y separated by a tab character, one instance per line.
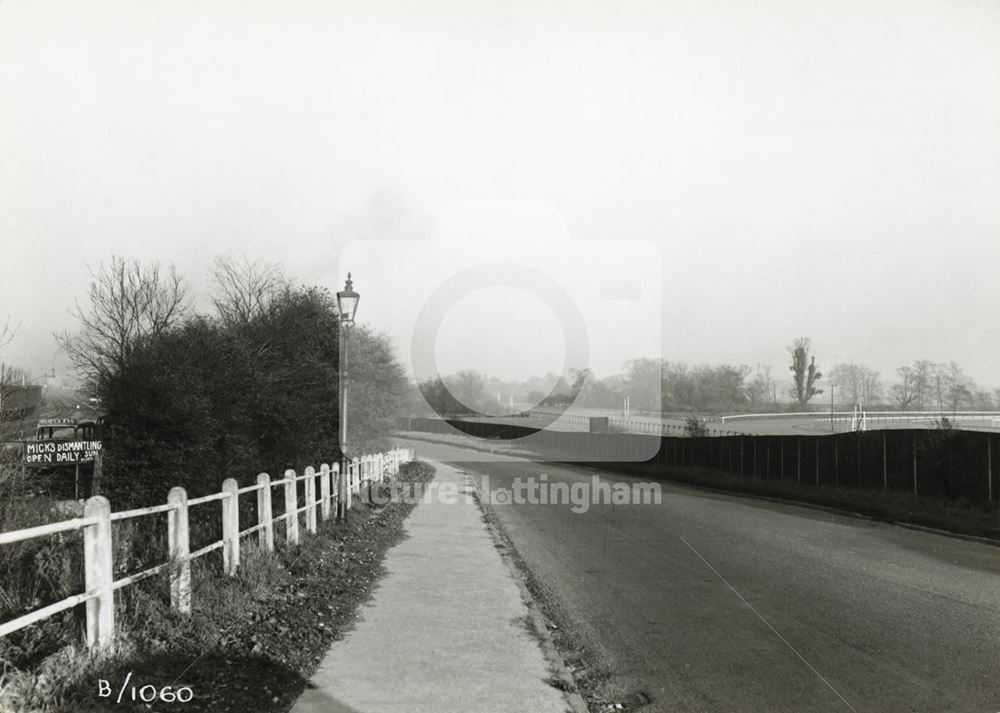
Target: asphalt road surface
711	602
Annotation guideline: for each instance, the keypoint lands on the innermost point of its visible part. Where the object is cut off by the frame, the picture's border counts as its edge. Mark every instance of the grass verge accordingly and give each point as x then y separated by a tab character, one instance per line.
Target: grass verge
252	640
582	672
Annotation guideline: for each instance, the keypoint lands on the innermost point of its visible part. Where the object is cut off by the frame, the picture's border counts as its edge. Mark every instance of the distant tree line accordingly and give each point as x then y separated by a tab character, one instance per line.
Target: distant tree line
251	386
674	386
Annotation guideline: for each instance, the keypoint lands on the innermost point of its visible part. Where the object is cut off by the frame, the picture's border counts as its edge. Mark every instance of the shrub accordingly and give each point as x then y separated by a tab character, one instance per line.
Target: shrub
695	427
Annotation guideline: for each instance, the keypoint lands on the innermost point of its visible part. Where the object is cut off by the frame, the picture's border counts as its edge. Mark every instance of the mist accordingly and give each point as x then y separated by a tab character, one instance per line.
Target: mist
825	170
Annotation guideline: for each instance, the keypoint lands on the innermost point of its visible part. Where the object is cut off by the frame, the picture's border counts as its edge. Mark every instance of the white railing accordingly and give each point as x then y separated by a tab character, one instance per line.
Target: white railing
872	415
652	425
99	582
985	420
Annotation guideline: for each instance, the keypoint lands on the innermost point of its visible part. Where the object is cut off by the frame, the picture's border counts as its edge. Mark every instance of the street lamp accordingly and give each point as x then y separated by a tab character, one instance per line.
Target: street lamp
347	303
347	306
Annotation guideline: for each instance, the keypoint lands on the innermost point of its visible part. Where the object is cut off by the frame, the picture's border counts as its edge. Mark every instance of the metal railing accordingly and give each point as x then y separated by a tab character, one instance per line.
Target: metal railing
96	523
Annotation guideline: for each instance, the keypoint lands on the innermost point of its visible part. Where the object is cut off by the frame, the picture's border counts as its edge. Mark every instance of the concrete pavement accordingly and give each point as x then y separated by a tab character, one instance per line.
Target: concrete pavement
444	631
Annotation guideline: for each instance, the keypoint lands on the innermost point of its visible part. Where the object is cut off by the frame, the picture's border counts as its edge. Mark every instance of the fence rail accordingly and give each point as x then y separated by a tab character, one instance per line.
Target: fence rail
96	524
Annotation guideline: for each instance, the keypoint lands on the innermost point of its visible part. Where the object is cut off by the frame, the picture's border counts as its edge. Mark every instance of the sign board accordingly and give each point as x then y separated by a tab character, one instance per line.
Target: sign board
56	422
60	452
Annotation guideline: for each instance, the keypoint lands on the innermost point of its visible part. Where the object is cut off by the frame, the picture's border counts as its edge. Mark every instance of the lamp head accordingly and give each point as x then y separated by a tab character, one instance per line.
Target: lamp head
347	303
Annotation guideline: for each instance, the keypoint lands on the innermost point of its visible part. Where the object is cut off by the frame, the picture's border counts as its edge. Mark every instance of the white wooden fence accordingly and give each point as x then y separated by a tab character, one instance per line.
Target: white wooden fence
100	584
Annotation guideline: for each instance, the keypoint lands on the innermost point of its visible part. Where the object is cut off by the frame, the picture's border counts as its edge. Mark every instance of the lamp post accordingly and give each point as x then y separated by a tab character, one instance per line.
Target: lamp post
347	305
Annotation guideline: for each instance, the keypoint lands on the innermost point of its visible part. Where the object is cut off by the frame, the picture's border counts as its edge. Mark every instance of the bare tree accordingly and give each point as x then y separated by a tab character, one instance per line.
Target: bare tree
957	388
469	388
8	375
859	384
905	392
983	400
129	303
804	371
929	385
924	379
245	289
8	331
871	386
650	382
763	389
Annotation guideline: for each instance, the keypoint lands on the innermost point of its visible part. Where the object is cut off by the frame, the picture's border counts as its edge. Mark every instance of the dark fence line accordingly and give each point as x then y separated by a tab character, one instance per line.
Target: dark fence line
938	463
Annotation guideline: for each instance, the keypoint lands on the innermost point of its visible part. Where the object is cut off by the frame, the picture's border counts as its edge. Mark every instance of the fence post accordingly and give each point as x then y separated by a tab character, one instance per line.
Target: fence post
99	574
335	489
372	476
324	491
859	444
179	537
230	526
310	499
291	505
989	467
836	463
817	462
798	459
265	518
914	463
885	466
343	490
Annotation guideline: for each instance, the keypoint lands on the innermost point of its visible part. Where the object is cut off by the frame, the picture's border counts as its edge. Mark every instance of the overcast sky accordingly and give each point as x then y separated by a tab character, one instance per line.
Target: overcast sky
829	169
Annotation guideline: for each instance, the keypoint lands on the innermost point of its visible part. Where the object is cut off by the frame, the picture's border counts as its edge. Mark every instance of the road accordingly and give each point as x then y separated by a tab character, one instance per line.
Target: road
711	602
